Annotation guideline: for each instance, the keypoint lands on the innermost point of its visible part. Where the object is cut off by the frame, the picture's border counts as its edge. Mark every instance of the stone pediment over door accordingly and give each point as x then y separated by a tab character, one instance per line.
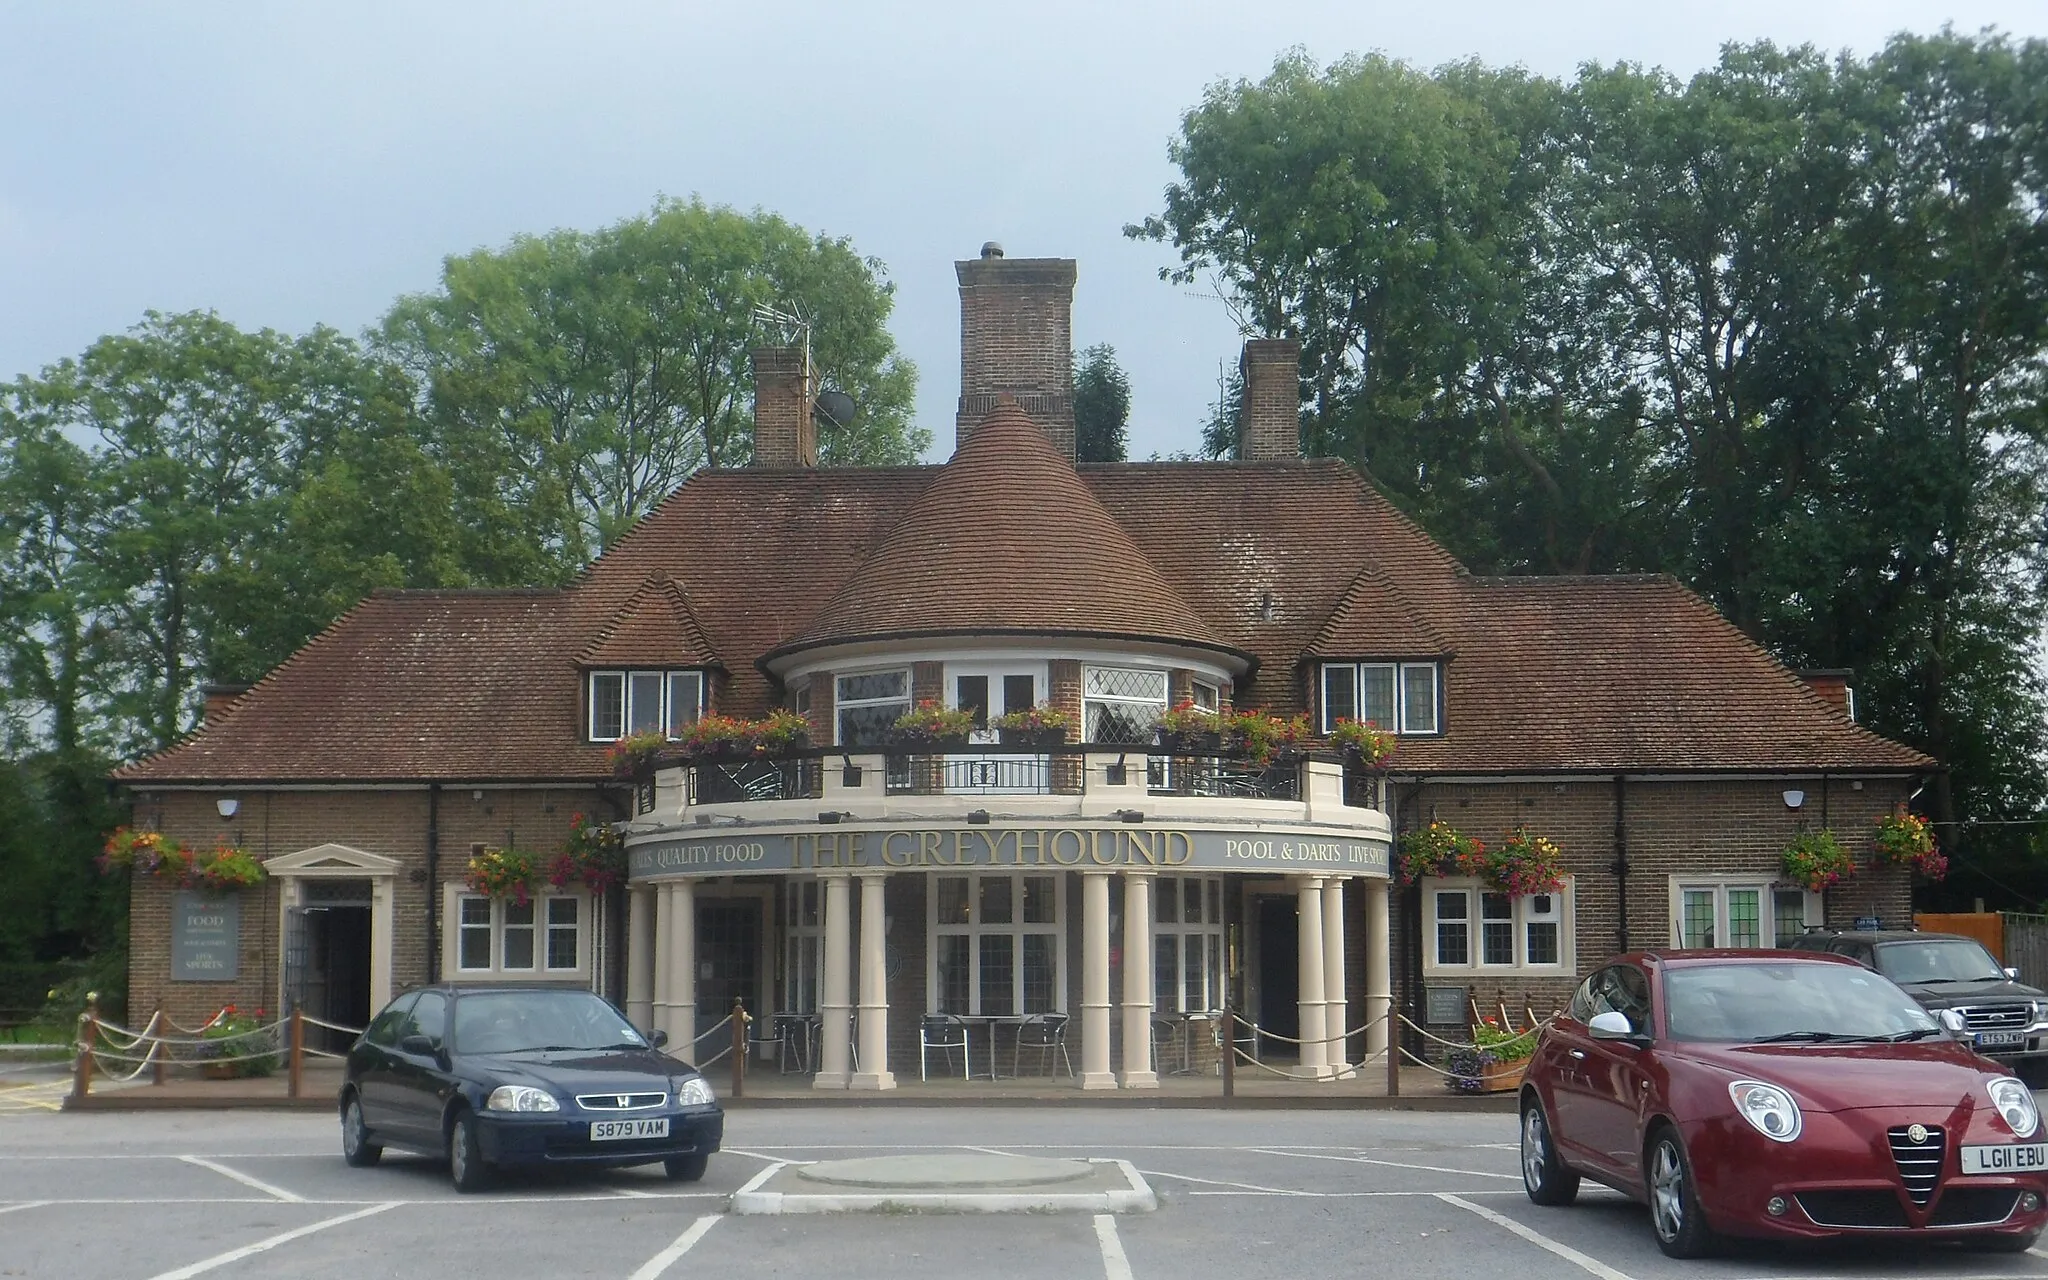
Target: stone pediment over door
333	860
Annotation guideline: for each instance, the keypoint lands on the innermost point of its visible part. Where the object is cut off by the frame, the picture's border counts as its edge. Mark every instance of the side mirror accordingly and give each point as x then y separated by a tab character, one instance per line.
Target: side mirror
2012	973
1611	1026
1951	1021
658	1039
418	1045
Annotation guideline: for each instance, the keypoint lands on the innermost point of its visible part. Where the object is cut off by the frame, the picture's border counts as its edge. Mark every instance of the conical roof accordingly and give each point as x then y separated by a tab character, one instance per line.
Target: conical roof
1007	539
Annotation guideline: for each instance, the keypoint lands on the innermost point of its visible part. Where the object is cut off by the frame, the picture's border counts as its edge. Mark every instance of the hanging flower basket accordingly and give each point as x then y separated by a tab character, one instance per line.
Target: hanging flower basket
1907	839
1033	727
930	728
1440	849
1363	744
152	853
593	855
1524	864
227	867
1816	860
504	873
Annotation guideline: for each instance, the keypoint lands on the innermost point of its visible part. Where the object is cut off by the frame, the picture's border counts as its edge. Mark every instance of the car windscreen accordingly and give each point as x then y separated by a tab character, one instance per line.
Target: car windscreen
529	1021
1791	1002
1937	960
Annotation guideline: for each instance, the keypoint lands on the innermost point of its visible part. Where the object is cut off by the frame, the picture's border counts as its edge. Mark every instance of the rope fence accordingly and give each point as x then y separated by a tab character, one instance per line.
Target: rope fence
220	1046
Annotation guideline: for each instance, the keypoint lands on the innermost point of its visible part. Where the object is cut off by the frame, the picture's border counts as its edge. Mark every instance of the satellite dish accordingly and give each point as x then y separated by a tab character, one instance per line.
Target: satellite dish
836	408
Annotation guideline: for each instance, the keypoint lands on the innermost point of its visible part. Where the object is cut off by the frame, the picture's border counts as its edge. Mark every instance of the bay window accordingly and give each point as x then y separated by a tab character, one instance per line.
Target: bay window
1121	704
995	945
869	704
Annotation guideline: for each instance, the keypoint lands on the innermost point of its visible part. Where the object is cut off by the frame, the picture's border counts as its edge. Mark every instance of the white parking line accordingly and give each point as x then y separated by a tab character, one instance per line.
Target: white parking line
1391	1164
254	1184
26	1204
1115	1266
662	1261
1537	1238
1244	1187
286	1237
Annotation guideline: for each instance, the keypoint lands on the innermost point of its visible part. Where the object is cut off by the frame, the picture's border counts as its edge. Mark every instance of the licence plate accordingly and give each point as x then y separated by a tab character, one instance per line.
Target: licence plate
2016	1157
2000	1039
616	1130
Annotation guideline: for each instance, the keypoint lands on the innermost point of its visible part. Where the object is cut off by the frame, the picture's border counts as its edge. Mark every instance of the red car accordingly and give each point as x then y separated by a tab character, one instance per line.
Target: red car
1781	1095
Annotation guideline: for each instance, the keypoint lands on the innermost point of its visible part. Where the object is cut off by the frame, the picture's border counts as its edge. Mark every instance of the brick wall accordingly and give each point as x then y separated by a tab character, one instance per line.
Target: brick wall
1017	339
785	434
390	823
1269	415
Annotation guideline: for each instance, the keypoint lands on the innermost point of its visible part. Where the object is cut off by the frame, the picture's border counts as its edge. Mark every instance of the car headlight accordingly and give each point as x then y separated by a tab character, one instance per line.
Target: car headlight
695	1093
2015	1102
1769	1109
519	1097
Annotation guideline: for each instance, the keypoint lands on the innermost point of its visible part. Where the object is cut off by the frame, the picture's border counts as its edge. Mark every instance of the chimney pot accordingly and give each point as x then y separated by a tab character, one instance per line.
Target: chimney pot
1269	415
785	433
1017	338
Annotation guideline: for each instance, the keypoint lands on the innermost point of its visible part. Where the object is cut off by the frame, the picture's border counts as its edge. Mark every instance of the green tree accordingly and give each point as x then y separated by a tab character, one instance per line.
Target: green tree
1102	406
578	377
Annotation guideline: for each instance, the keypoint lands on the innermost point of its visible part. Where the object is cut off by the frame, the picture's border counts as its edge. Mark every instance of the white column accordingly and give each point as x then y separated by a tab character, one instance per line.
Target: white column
874	989
640	975
682	971
1138	1072
381	934
834	1013
664	962
1309	955
1336	1011
1379	966
1095	1072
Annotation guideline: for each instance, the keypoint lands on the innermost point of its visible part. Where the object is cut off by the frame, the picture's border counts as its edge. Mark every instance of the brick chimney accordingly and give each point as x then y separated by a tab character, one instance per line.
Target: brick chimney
1832	684
785	433
1269	415
1017	338
219	697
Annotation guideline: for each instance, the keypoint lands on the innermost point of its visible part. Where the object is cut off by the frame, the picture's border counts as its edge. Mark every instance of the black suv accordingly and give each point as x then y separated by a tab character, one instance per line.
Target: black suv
2005	1019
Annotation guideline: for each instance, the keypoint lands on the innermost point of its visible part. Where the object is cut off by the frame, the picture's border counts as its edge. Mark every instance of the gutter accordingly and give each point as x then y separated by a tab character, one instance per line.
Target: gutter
433	882
1620	867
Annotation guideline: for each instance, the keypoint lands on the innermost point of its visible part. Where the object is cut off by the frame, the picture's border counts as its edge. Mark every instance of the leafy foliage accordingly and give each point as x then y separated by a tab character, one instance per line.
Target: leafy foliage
1102	406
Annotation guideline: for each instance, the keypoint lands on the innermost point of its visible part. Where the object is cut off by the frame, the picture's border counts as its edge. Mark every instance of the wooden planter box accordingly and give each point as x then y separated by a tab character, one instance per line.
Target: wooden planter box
1502	1077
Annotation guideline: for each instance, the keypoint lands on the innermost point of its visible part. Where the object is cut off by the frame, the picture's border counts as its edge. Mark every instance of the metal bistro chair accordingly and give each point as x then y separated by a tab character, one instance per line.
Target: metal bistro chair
944	1032
1044	1034
768	1033
794	1030
1169	1040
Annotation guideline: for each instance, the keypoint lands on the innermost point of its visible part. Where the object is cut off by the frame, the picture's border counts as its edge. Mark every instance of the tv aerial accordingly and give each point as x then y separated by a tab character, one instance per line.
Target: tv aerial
835	407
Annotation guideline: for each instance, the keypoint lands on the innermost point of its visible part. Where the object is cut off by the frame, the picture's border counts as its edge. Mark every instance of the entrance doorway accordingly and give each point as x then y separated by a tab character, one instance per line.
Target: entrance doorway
327	958
1279	978
728	957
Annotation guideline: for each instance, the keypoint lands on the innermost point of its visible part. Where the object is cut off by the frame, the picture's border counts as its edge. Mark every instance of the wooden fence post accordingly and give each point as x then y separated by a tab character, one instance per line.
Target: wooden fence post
1230	1053
1393	1052
298	1058
88	1036
739	1047
159	1070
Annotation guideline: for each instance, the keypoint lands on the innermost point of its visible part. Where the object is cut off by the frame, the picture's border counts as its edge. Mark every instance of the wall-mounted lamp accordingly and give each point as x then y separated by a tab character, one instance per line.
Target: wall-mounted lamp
1793	799
977	817
227	807
1130	815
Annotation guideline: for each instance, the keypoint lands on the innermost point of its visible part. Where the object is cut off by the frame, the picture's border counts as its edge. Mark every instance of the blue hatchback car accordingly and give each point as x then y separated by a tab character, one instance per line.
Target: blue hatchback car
506	1075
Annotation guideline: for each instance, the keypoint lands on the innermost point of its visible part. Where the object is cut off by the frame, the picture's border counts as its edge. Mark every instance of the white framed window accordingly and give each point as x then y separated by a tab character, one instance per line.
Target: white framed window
1121	704
623	702
803	947
546	936
1401	697
1187	944
1739	911
1207	696
1469	927
867	705
995	944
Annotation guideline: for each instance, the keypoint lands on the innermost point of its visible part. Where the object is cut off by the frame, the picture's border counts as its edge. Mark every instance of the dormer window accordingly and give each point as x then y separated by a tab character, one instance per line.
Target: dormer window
1401	696
623	702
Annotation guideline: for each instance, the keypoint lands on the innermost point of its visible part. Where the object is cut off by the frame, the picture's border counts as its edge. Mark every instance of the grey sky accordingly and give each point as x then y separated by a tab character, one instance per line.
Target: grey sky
292	164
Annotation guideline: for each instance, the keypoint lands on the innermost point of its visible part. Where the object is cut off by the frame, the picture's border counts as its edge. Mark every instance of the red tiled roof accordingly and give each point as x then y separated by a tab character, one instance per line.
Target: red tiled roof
655	627
1006	540
1609	674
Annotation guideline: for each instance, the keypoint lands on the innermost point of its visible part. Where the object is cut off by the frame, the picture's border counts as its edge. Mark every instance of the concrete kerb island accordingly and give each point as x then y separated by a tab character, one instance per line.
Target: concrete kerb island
947	1182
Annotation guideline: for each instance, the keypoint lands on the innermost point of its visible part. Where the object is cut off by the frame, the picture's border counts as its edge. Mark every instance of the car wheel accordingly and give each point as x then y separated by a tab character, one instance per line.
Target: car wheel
1544	1176
466	1166
1682	1230
2003	1244
356	1147
687	1168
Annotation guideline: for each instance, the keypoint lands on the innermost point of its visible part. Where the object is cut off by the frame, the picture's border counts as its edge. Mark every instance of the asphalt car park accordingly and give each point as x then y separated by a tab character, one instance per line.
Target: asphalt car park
130	1196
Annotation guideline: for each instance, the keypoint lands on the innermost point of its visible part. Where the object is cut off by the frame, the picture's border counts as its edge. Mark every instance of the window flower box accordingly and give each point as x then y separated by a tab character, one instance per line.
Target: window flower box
1033	727
1188	730
931	729
633	754
1363	744
1259	736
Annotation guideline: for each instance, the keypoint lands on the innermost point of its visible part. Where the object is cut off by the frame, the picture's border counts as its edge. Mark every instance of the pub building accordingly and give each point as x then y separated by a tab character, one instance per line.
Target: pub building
1105	894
